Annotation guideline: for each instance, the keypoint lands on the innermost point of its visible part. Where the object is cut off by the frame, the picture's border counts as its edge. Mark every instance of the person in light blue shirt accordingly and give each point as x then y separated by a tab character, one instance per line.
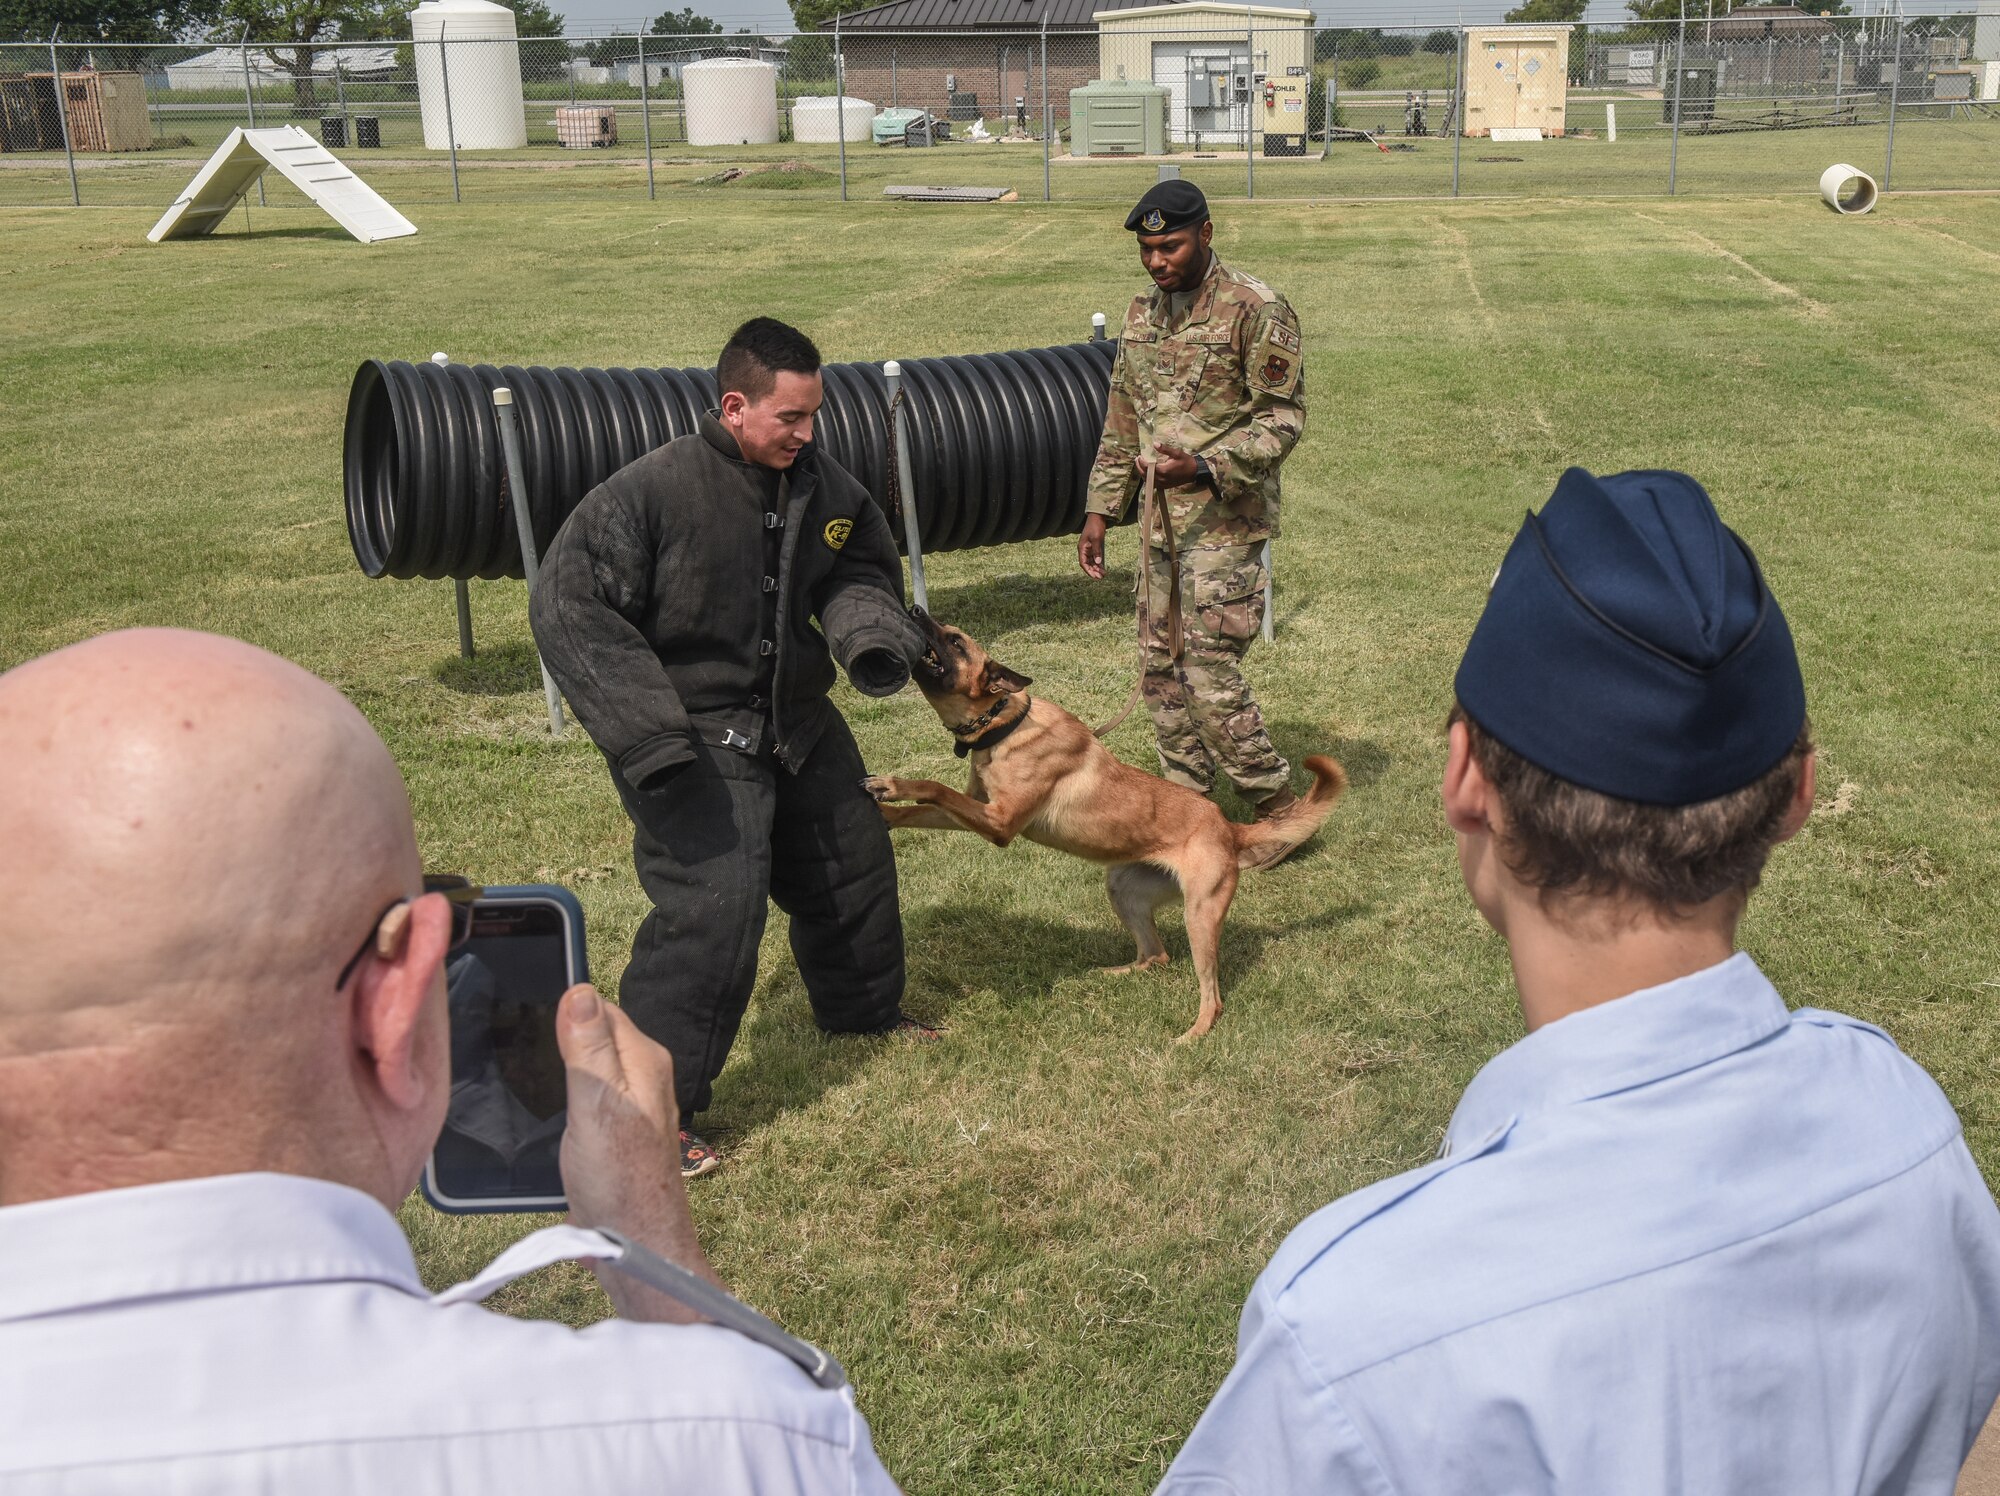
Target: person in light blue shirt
1678	1238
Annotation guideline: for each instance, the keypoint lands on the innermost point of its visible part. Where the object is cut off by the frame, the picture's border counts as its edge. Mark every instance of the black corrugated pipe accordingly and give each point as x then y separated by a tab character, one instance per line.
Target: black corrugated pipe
1000	445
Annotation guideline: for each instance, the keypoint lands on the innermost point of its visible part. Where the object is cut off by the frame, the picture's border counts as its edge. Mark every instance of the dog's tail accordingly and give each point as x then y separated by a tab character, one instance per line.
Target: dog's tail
1266	843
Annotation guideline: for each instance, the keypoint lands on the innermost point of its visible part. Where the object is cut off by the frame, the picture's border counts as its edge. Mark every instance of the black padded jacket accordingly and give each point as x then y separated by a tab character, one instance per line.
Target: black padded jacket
695	596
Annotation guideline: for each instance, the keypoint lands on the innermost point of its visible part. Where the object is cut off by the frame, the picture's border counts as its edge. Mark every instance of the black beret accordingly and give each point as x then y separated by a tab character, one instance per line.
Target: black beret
1169	206
1629	645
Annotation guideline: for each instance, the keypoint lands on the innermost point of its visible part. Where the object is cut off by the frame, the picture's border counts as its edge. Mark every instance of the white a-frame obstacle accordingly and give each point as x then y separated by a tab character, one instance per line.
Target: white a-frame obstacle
309	166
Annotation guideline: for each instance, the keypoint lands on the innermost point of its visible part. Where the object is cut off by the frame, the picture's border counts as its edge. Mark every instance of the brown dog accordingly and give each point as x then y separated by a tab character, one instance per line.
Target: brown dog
1038	772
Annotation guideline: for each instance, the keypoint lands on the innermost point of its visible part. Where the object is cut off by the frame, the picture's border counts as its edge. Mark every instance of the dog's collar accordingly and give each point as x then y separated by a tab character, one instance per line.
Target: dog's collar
968	744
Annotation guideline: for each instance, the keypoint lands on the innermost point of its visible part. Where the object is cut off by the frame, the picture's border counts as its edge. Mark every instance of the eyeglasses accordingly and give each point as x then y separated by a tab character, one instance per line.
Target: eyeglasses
461	894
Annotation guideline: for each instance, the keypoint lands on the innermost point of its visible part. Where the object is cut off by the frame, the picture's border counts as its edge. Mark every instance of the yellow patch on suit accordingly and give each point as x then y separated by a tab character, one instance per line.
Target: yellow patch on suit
837	531
1274	363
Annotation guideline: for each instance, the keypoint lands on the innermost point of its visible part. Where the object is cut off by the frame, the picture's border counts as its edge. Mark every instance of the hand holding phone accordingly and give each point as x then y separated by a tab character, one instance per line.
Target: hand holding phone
621	1152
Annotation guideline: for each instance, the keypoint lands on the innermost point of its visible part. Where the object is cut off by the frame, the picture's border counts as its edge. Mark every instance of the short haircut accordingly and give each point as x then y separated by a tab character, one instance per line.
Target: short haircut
1568	841
758	352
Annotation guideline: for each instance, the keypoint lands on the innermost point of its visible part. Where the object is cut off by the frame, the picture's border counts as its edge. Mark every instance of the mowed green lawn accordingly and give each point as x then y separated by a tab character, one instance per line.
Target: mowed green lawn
1030	1242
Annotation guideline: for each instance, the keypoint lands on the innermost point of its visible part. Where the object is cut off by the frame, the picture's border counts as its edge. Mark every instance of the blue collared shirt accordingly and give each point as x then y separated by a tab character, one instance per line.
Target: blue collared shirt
1685	1241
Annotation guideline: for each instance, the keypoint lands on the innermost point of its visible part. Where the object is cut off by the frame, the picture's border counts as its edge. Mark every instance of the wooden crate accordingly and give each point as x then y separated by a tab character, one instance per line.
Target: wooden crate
107	111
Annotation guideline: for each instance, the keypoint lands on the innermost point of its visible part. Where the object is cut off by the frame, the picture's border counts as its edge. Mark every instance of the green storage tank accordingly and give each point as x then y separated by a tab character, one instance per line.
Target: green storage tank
1113	117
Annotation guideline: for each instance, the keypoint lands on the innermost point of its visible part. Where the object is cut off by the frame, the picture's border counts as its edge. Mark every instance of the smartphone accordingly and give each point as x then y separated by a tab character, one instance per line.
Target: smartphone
502	1140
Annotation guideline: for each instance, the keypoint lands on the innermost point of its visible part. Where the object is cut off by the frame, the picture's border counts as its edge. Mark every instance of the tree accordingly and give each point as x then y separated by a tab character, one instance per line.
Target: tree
683	22
1553	11
103	20
817	15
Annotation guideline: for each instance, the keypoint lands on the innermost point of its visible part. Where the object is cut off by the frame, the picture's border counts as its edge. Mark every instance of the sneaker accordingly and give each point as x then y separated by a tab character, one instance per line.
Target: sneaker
696	1156
923	1033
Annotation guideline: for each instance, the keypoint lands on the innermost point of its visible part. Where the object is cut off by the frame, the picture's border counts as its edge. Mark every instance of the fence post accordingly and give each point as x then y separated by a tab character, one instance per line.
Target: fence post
1895	88
1674	148
1458	111
450	127
62	116
839	99
645	113
1250	105
1048	120
250	102
1329	93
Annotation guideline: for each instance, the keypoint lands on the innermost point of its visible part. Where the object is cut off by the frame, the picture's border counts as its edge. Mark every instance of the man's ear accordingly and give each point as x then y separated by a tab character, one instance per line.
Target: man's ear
1802	798
1000	681
392	1010
1469	801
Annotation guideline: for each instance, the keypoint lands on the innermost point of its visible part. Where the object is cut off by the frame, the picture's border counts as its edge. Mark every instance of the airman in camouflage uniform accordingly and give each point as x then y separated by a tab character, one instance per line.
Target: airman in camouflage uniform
1209	390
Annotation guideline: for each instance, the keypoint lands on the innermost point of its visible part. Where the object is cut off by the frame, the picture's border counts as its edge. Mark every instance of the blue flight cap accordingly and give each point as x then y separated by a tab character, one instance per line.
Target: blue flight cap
1630	646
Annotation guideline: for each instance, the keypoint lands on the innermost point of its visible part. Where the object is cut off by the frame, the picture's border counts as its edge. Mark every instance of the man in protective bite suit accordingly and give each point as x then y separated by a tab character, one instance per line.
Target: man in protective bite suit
676	608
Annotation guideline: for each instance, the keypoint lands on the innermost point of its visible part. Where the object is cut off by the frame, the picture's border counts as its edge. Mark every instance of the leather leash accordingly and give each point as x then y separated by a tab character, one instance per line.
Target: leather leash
1149	508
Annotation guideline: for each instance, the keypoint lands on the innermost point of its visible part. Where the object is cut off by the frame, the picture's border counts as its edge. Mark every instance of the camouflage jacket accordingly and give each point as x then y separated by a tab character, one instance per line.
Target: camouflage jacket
1226	383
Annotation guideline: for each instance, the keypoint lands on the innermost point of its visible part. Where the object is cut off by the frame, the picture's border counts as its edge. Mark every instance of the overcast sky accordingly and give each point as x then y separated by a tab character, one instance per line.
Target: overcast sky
600	15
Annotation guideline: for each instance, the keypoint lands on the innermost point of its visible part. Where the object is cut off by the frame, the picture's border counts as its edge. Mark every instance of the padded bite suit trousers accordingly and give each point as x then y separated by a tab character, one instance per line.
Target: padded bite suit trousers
715	842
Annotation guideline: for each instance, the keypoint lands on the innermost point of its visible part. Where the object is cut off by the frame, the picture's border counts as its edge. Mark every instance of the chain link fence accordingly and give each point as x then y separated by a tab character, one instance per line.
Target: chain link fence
1733	104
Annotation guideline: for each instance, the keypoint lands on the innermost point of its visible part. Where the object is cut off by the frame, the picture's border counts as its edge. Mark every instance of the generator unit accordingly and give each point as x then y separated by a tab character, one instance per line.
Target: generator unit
1281	112
1113	117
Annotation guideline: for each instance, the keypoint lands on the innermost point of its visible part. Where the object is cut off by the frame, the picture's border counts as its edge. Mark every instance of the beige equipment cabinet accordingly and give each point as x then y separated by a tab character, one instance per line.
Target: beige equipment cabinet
1516	77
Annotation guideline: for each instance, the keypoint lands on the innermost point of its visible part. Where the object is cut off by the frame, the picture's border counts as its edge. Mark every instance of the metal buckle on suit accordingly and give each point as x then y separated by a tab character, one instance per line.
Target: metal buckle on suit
731	738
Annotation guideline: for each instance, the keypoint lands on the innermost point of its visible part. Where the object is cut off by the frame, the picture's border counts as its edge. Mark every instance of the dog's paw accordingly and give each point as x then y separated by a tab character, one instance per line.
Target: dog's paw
881	788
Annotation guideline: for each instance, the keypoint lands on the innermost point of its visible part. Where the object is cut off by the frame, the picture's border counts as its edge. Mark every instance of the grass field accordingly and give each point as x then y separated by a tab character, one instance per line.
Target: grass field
1030	1242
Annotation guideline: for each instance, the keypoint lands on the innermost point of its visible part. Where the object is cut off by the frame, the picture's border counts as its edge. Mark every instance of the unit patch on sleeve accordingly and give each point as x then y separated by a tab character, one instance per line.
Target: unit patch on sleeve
1274	364
837	531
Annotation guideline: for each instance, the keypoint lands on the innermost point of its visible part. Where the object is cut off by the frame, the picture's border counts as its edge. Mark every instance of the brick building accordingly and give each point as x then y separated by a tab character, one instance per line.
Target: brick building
916	53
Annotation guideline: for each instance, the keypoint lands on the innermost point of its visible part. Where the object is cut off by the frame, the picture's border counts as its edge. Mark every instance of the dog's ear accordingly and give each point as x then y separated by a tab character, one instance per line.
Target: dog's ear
1000	681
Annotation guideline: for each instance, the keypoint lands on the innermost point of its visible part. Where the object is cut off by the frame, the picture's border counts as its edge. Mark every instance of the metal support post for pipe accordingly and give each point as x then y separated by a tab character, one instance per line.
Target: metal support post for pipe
524	529
839	104
62	115
1680	68
250	102
450	126
1895	88
645	114
1458	112
1048	120
906	484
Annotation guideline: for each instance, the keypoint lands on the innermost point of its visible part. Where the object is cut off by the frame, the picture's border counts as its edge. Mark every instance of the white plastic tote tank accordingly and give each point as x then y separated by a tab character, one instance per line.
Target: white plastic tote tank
731	101
815	120
470	45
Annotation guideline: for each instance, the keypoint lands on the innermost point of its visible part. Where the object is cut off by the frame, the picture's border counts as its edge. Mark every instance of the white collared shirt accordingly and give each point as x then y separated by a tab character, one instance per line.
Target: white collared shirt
263	1332
1682	1242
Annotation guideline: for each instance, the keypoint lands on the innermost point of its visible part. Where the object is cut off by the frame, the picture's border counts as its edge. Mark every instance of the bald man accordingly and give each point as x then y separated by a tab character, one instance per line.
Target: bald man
223	1060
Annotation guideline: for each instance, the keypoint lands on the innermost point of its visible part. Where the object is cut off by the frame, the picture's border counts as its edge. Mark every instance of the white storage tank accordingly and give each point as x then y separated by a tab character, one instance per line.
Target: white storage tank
731	101
469	44
814	120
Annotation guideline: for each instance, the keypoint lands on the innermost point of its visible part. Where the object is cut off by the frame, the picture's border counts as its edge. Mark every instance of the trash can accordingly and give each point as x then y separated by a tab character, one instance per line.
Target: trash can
367	132
333	131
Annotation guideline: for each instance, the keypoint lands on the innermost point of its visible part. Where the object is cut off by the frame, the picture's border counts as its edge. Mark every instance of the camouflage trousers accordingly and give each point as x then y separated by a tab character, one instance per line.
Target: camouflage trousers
1204	718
